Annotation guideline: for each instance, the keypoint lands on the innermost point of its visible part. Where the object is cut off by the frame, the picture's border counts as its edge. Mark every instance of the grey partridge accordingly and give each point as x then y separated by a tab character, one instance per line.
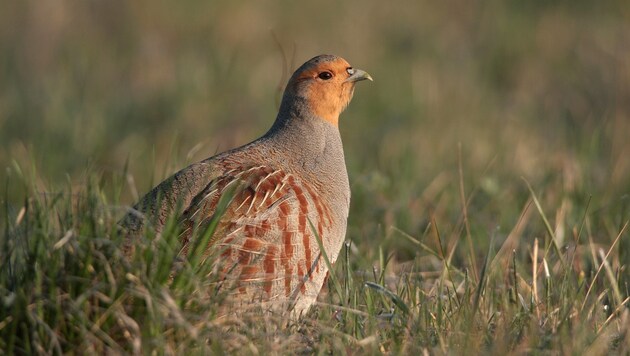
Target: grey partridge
289	188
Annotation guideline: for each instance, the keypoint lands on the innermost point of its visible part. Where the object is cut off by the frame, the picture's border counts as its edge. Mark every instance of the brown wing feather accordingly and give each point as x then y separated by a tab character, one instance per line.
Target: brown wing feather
264	234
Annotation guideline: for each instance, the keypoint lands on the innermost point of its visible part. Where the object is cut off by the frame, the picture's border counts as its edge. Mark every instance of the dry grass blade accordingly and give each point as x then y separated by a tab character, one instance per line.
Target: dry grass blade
602	265
615	313
611	277
552	235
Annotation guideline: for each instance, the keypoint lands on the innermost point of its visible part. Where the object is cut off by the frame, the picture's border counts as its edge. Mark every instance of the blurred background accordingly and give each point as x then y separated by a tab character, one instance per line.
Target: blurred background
504	89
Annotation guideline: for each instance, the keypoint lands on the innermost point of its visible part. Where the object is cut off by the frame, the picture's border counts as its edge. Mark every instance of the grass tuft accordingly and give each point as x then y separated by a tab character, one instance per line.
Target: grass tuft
66	287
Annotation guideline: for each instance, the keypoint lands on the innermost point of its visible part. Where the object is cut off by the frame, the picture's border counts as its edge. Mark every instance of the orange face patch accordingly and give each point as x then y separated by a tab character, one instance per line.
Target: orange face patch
325	88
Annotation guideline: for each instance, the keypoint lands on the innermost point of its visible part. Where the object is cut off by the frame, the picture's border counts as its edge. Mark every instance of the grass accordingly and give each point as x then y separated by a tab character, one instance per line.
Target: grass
66	287
488	168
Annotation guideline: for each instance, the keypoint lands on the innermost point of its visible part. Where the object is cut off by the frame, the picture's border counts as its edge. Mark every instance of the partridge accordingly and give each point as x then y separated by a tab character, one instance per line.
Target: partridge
288	189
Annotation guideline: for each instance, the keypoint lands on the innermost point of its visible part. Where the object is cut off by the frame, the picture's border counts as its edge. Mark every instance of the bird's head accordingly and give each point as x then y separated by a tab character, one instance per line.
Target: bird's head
325	84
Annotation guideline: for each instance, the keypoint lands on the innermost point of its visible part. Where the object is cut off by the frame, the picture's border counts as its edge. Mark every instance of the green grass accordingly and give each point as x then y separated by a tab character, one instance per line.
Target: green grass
488	167
66	287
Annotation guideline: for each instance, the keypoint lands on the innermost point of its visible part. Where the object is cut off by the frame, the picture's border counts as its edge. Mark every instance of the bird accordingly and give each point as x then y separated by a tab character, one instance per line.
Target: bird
288	190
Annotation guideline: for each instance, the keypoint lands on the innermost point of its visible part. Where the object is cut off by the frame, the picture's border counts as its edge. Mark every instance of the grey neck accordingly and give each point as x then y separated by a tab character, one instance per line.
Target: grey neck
309	141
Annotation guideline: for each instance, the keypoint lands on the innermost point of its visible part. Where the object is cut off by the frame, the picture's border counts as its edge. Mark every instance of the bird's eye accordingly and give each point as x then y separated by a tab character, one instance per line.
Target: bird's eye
325	75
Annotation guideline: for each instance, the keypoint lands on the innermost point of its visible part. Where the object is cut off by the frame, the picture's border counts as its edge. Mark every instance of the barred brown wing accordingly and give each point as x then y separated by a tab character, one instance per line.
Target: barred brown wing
265	240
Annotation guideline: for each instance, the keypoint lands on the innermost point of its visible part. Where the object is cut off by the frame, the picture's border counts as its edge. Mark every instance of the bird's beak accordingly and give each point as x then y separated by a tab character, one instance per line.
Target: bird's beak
359	75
